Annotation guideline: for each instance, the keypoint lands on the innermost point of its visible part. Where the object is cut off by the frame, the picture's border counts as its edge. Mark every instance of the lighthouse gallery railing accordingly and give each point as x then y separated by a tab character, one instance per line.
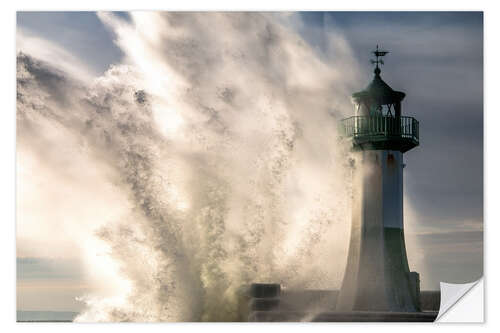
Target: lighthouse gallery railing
376	126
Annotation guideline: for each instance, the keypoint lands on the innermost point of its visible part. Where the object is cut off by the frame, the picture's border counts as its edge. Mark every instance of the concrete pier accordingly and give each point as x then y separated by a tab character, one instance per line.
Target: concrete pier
319	305
356	316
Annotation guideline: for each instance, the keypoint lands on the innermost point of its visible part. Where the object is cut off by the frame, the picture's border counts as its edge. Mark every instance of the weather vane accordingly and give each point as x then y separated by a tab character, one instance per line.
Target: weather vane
378	53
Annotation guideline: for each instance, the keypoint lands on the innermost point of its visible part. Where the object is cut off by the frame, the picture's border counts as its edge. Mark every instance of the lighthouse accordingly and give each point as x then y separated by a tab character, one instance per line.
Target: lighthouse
378	284
377	275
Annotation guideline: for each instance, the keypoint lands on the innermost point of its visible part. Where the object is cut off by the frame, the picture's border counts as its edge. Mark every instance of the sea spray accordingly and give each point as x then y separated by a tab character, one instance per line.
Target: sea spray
226	149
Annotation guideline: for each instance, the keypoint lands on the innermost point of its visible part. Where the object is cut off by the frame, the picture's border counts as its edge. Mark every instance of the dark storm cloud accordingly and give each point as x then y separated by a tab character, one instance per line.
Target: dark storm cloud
429	18
437	59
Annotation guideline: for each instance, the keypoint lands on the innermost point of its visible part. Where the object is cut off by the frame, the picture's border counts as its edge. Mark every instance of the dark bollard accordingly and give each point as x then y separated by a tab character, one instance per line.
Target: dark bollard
414	278
265	290
264	297
264	304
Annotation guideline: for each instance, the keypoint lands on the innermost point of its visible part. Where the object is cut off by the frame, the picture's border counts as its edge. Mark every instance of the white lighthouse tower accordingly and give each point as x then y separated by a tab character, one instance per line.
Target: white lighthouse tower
377	276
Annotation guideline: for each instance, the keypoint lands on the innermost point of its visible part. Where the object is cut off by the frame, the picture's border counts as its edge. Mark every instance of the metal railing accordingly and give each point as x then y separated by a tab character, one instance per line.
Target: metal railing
376	126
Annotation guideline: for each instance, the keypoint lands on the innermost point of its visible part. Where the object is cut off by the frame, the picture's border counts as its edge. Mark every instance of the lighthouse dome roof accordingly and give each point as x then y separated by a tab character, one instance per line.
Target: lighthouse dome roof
378	92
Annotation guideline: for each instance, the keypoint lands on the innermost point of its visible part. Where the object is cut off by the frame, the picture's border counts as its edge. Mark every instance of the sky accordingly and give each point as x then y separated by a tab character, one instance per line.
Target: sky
436	58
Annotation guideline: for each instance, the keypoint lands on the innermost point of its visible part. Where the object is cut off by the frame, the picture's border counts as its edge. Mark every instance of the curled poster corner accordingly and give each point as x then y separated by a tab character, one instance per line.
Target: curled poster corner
461	302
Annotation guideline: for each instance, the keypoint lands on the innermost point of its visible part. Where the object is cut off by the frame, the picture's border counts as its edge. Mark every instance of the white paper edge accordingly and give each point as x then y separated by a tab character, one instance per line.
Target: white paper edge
461	303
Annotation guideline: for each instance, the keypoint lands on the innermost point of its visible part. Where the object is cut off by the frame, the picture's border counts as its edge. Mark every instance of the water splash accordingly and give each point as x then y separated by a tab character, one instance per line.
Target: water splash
225	148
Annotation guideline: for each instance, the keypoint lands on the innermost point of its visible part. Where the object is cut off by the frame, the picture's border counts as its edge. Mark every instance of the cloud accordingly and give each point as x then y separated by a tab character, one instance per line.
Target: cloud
78	32
53	54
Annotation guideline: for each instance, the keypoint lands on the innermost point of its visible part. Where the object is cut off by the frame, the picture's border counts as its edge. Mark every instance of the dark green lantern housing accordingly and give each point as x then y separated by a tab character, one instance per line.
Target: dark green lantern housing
378	93
378	124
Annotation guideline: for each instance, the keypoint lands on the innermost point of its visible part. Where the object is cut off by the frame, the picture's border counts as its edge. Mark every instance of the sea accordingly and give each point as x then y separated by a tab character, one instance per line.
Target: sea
46	316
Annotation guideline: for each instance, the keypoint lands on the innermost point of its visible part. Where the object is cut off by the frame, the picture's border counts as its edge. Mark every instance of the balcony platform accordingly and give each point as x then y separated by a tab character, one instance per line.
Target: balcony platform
381	132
